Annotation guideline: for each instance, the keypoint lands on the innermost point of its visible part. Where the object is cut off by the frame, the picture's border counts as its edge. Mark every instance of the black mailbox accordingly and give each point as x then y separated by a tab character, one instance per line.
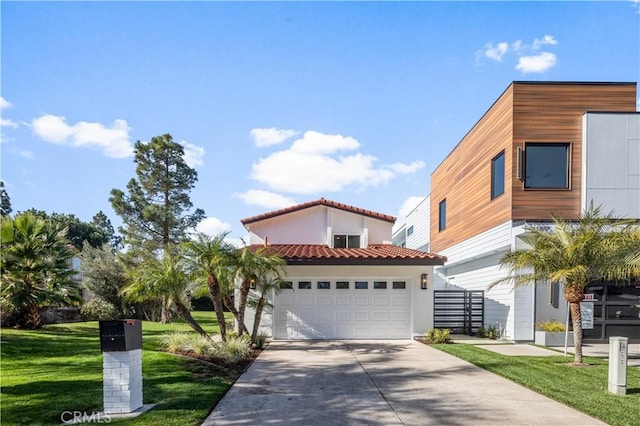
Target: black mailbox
120	335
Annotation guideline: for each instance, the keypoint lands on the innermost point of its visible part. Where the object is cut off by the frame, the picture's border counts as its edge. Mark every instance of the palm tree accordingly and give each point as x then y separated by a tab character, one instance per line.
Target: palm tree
209	258
264	286
250	266
574	254
164	279
35	263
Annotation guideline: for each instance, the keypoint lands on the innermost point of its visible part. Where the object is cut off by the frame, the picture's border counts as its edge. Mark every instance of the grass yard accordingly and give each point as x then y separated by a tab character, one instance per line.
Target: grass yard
59	368
583	388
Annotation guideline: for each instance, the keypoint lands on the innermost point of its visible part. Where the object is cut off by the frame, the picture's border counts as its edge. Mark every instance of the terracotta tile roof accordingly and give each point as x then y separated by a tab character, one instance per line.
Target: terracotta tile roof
374	254
320	202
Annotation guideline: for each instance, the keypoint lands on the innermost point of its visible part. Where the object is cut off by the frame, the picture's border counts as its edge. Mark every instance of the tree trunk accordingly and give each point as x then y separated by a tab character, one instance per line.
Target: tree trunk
31	317
183	312
258	318
228	302
216	298
164	313
245	287
574	293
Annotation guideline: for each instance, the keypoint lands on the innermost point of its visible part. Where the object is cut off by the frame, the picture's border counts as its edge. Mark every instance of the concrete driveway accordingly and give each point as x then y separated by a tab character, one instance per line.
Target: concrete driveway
379	383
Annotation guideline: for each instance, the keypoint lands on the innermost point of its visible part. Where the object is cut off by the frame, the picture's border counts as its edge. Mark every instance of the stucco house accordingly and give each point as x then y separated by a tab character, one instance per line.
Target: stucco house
345	278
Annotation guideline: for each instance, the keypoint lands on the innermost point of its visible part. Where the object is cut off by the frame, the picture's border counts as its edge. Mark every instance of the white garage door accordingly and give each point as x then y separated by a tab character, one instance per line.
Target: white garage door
343	309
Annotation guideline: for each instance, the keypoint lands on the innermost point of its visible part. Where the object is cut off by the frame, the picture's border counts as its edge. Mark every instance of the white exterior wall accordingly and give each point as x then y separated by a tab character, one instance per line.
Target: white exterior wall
611	162
122	381
419	219
422	300
317	225
474	264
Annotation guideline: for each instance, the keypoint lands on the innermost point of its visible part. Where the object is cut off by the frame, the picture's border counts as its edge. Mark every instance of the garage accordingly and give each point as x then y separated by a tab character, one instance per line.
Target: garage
361	308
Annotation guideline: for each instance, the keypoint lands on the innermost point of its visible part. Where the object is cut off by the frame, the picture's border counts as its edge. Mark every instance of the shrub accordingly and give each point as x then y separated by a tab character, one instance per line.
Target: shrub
98	309
550	326
234	349
201	346
176	342
261	340
481	332
492	332
439	335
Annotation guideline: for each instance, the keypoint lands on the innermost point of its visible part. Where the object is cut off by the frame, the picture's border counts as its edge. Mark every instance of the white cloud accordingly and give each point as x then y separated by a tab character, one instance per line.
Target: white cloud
530	58
213	226
536	63
112	140
271	136
193	154
5	103
318	143
546	40
5	122
406	169
496	52
266	199
312	165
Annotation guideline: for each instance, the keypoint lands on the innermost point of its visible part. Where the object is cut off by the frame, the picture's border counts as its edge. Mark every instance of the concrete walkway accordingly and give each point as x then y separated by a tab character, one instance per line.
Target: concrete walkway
379	383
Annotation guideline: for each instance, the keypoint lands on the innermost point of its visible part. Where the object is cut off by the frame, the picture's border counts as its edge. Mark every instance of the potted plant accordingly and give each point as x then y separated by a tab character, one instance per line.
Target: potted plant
551	333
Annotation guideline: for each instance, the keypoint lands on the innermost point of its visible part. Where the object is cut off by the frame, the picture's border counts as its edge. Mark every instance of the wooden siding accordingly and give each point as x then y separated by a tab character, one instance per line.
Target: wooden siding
553	113
525	112
464	179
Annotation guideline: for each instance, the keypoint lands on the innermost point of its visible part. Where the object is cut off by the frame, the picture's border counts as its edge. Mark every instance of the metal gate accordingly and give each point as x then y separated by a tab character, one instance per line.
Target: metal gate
461	311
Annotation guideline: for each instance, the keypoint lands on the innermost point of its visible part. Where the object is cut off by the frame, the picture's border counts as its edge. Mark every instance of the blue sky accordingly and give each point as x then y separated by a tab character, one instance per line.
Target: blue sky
276	103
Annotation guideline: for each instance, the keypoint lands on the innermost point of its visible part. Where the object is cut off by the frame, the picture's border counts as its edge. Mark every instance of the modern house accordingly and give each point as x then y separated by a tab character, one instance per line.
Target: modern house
542	149
345	279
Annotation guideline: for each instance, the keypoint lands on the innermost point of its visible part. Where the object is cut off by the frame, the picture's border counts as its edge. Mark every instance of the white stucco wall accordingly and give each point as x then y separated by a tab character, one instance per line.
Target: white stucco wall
317	225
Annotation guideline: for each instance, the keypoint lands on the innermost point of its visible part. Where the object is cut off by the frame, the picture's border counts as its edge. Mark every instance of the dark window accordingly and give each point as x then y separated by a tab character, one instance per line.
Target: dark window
342	285
346	241
362	285
442	217
546	166
399	285
497	176
304	285
324	285
286	285
410	230
554	294
379	285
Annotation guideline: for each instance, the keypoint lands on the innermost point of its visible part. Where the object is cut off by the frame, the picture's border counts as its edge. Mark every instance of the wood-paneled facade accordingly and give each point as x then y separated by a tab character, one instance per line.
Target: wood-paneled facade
533	112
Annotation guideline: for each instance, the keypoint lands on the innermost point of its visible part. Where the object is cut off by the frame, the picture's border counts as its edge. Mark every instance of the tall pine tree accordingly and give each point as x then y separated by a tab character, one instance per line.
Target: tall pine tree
157	211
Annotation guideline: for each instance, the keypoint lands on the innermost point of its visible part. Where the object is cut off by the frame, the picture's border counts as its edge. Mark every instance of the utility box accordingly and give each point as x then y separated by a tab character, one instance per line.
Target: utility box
121	345
120	335
618	349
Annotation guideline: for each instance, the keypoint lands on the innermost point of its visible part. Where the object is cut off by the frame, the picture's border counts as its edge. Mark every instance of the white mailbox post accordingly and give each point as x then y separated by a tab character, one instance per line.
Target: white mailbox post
618	347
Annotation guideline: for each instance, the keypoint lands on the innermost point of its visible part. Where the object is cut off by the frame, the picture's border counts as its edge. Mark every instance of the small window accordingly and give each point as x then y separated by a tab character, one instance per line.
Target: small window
362	285
324	285
442	218
410	230
346	241
497	176
342	285
304	285
546	166
554	294
399	285
286	285
379	285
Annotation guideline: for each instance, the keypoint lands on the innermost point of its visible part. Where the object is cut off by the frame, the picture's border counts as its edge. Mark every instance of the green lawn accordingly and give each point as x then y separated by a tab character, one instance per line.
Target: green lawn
583	388
59	368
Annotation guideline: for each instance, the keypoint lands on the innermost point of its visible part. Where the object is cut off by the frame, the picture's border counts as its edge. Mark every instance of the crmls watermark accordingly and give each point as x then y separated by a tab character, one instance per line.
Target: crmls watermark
77	417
